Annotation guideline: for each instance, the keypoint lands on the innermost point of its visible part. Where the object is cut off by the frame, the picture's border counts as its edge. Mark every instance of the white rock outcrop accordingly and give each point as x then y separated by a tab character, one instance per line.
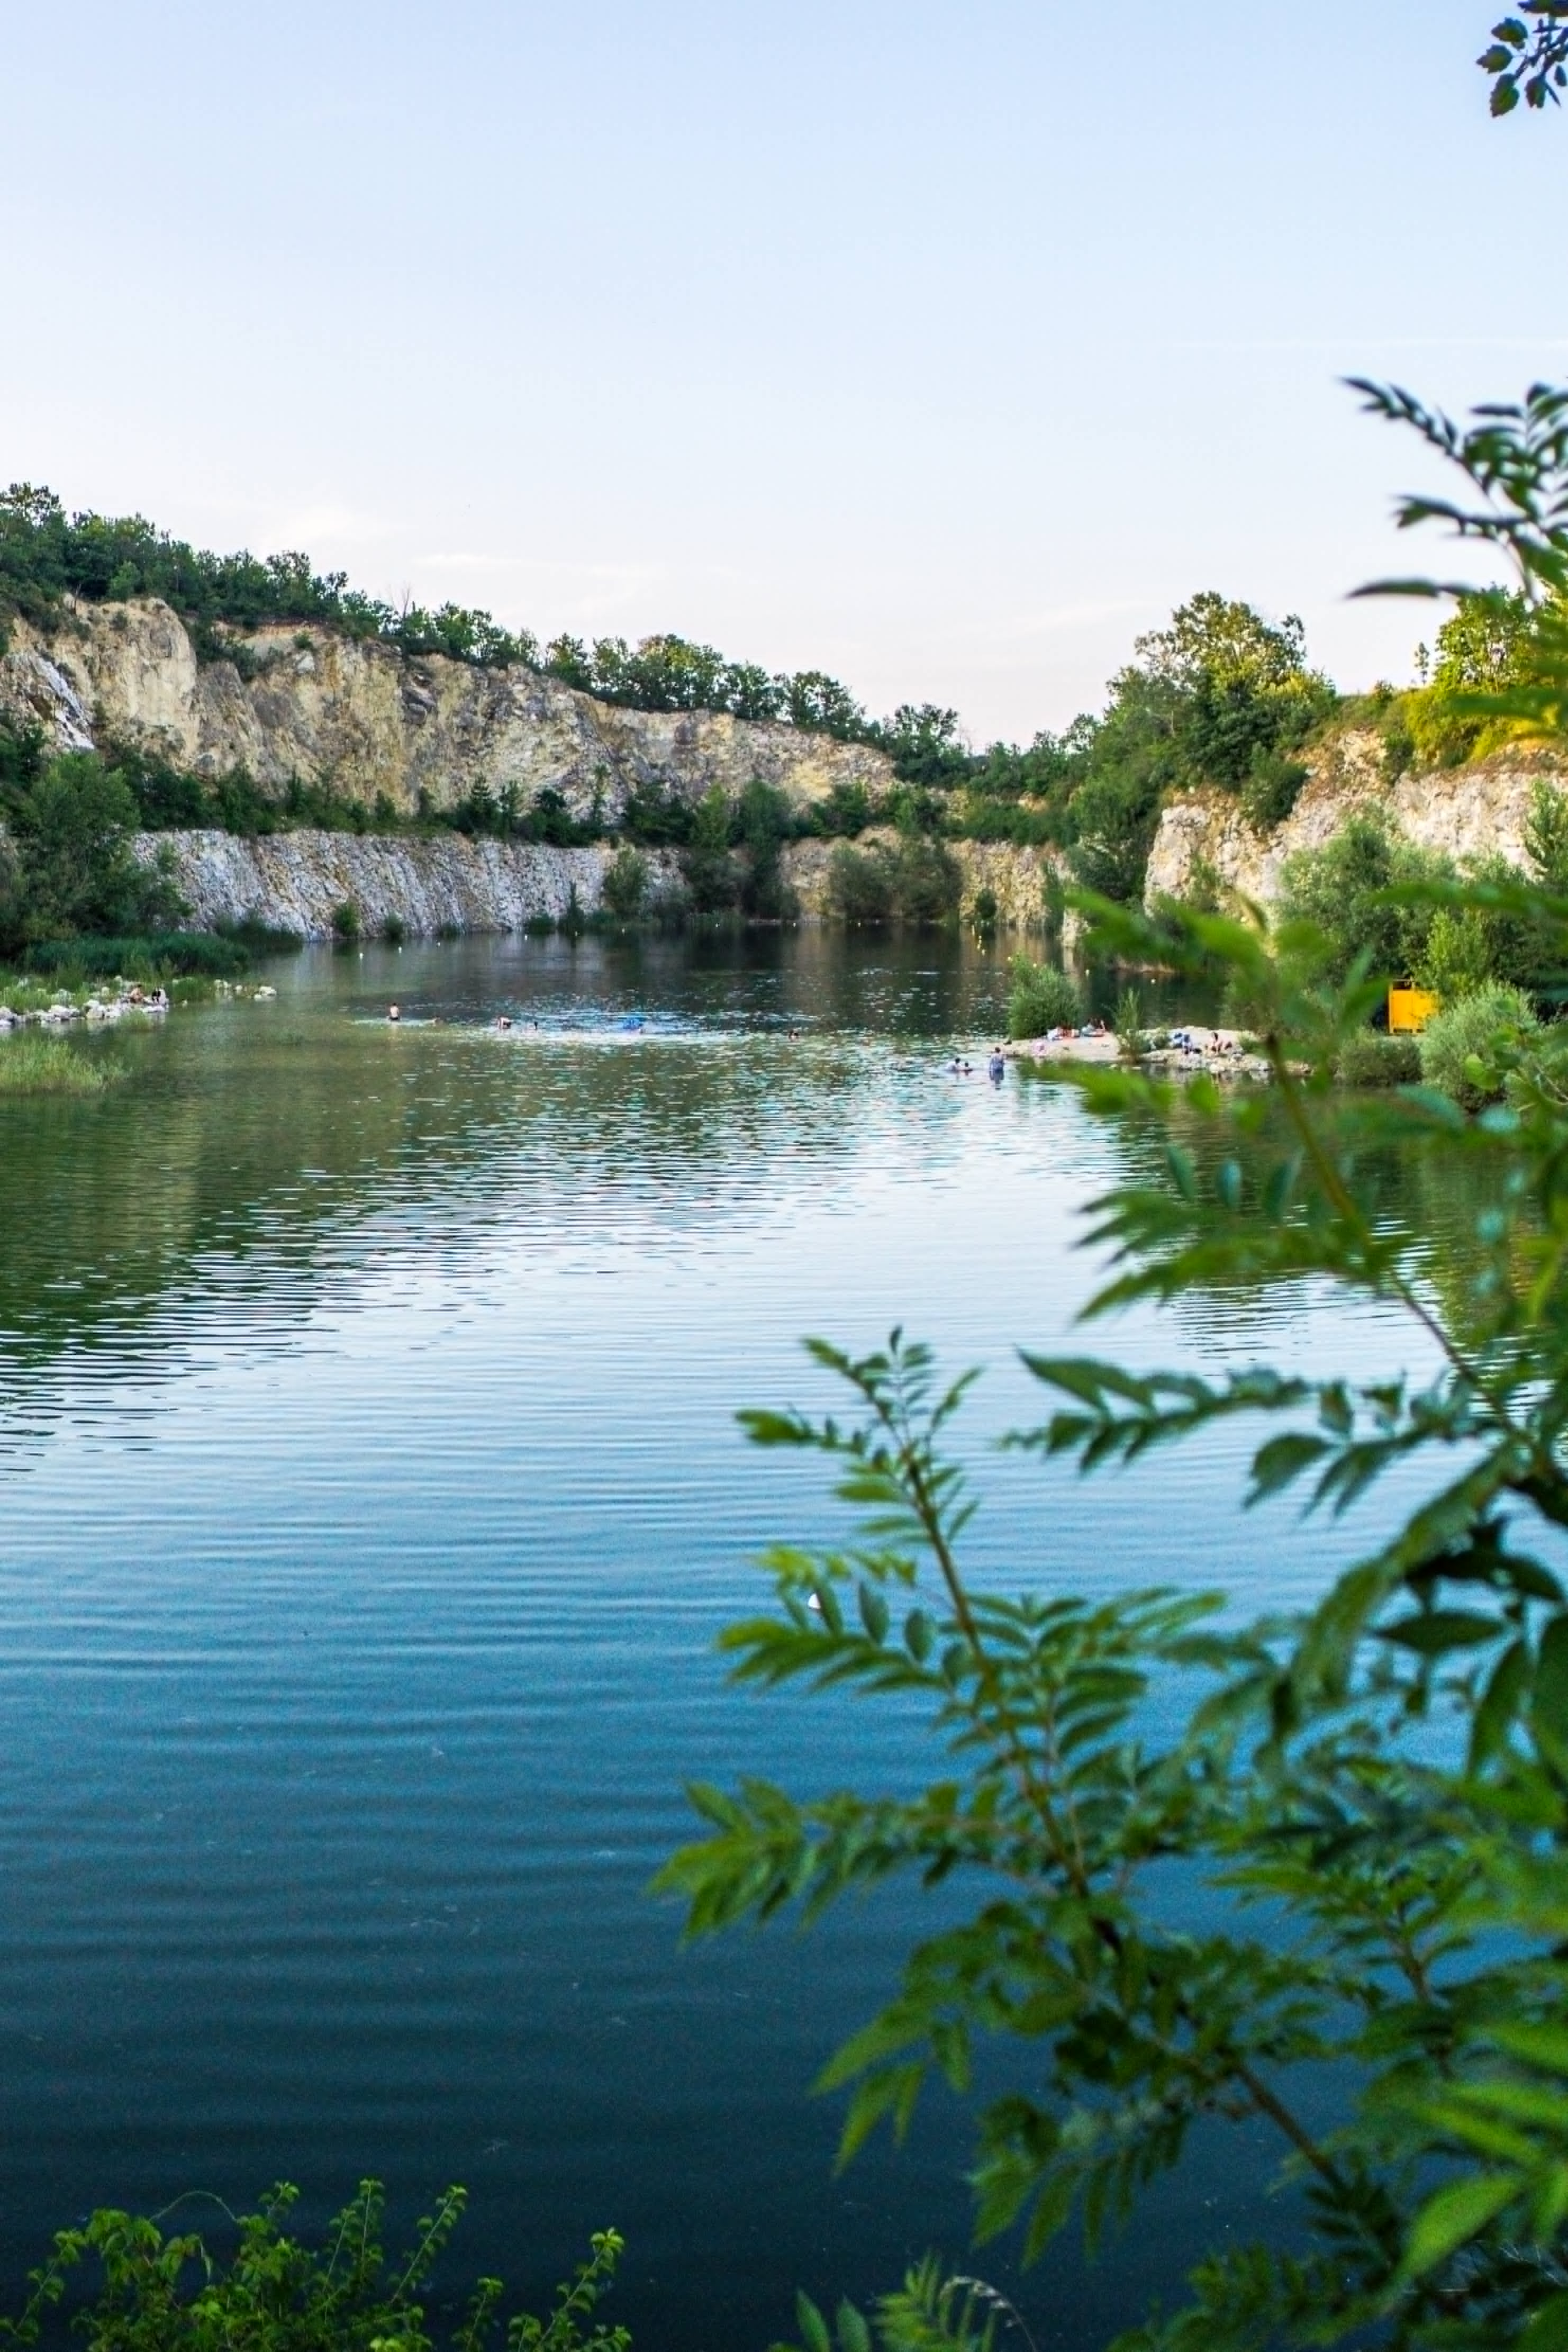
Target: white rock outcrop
296	881
1203	838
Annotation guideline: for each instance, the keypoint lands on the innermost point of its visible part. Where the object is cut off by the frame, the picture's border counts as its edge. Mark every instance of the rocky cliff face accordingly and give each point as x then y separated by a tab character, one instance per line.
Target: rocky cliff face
367	721
1464	812
295	881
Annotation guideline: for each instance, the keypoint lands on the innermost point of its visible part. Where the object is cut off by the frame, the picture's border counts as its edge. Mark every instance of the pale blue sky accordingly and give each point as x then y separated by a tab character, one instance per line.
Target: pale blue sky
945	347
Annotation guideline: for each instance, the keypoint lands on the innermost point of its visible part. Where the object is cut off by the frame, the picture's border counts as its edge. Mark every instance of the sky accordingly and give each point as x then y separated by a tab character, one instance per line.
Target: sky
942	344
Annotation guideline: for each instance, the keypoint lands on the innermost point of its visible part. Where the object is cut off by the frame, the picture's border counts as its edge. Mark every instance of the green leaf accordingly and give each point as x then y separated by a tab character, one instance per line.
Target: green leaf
1498	1709
813	2327
919	1633
874	1611
1504	96
1548	1699
854	2336
1455	2215
1282	1459
1548	2330
1432	1631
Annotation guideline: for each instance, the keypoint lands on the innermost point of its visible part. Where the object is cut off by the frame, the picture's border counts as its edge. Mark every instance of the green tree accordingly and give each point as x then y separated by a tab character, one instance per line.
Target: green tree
1219	697
1041	997
1343	892
75	870
764	822
707	862
626	886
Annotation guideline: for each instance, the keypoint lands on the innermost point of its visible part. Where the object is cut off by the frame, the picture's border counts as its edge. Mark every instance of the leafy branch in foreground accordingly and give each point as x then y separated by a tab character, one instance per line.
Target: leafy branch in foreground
275	2293
1374	1790
1528	60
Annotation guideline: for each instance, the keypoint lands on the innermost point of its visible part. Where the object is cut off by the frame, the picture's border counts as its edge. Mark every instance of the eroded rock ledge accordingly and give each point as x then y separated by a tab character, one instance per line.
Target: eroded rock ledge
1204	839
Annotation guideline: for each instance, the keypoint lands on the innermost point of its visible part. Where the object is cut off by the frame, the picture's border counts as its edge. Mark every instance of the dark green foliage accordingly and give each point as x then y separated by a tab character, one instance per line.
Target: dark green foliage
844	812
549	818
261	939
1456	1045
985	911
168	798
395	931
926	884
1546	835
1219	697
1371	1058
47	555
1272	788
859	885
656	818
69	866
625	888
709	868
346	923
156	955
764	821
914	881
1042	997
1341	890
925	746
1528	60
1128	1023
276	2293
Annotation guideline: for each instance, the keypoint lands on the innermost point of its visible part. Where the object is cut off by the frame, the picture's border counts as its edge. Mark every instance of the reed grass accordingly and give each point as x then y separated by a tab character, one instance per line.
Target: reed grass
35	1065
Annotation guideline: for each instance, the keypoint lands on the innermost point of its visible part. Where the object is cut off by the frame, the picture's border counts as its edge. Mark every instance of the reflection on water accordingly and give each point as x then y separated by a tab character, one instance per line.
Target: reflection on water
371	1495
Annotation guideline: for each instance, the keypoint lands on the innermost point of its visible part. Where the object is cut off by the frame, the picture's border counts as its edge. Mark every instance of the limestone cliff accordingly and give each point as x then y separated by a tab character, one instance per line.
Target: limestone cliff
1203	837
295	881
366	720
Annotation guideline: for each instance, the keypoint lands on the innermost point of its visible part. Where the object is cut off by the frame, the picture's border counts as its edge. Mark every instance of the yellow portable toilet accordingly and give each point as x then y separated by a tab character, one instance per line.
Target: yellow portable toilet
1409	1009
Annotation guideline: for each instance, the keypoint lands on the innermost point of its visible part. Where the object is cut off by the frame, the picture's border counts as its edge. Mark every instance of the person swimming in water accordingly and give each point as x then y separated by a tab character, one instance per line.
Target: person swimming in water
392	1013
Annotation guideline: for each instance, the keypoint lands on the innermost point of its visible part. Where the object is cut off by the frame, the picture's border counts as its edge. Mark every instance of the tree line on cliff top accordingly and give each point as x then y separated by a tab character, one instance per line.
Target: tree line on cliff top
1219	697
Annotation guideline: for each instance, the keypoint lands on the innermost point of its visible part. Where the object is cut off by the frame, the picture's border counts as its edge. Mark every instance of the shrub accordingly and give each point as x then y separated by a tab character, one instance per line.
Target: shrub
1272	788
926	883
625	887
1043	997
1457	956
860	885
156	955
261	939
1367	1058
1341	889
1129	1025
345	922
985	911
395	931
178	2294
1456	1043
31	1065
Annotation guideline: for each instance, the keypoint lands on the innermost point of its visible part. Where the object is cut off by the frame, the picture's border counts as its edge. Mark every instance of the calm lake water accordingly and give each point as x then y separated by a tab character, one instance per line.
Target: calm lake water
371	1499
